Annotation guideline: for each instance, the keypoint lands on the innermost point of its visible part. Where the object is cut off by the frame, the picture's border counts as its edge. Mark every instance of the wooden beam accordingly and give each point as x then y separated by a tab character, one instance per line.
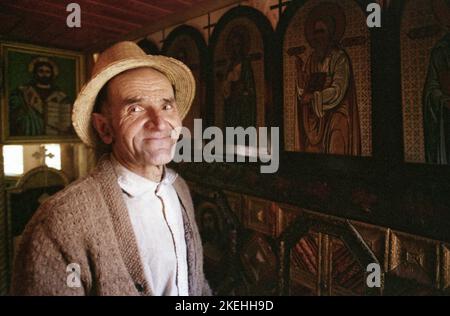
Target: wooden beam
123	11
151	6
195	11
56	16
184	2
92	17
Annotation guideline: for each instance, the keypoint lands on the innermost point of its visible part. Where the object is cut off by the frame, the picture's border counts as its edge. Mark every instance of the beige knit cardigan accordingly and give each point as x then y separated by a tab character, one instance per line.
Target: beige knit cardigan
87	223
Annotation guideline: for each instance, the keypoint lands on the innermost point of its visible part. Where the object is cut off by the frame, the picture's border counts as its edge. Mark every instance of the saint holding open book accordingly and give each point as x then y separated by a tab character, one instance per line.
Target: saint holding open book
328	117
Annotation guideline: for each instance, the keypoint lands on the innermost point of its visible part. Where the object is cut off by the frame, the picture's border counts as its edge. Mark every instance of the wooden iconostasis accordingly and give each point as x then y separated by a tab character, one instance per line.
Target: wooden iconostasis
374	110
363	118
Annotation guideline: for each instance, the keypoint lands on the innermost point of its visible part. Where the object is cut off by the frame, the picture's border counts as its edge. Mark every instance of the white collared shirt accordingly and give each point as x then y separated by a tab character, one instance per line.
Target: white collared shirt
157	221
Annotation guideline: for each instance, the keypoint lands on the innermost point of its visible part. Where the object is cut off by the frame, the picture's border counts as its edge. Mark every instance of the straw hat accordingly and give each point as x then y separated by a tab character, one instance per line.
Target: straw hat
115	60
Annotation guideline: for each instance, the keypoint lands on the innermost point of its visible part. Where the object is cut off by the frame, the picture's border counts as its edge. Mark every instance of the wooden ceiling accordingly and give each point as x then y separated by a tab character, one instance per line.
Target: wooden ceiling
43	22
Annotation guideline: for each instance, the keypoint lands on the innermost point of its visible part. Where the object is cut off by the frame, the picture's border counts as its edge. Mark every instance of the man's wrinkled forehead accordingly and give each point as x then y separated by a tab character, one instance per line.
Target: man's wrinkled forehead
141	73
131	83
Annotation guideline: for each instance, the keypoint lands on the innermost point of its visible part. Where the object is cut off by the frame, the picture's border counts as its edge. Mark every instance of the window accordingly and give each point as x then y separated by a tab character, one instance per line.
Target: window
13	160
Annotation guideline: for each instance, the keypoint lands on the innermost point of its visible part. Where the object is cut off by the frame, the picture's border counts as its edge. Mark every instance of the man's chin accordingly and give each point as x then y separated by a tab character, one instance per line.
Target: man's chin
158	158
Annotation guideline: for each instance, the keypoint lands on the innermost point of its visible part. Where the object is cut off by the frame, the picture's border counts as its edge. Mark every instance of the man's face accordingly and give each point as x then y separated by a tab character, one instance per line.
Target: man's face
143	116
44	74
209	226
321	36
208	221
236	46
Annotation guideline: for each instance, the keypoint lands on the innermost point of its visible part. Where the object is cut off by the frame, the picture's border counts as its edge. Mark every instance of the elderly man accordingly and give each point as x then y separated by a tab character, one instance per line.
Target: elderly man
128	228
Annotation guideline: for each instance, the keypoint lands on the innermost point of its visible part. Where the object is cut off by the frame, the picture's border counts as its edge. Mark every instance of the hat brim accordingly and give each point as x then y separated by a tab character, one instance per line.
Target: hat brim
178	74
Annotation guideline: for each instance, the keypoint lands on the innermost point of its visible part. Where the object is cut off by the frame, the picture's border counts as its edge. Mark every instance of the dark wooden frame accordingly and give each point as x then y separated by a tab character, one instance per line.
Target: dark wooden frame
267	33
333	163
79	79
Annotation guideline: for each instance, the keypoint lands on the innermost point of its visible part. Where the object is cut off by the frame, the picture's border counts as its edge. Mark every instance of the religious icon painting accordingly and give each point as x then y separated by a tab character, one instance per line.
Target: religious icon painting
211	228
186	44
239	48
327	75
425	67
40	86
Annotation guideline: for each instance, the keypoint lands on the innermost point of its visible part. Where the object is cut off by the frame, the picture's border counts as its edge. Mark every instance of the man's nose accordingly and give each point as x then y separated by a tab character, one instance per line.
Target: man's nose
155	121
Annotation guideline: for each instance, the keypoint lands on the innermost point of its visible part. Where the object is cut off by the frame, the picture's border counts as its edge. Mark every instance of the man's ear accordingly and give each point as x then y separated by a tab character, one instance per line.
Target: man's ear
103	127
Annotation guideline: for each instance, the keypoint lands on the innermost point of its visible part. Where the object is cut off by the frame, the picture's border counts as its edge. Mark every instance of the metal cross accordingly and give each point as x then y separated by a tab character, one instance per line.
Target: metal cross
41	154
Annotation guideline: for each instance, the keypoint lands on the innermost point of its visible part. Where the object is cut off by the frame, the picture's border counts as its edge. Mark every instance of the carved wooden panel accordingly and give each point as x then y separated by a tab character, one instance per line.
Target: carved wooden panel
445	268
260	265
324	254
413	258
261	216
305	258
287	215
347	277
377	238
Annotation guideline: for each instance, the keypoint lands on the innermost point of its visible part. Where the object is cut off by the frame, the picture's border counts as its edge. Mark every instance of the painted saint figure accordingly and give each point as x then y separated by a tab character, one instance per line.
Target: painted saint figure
239	84
40	107
210	231
327	107
436	94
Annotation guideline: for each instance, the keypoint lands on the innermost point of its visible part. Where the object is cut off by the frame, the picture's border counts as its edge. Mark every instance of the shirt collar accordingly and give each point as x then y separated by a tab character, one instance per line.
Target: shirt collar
135	185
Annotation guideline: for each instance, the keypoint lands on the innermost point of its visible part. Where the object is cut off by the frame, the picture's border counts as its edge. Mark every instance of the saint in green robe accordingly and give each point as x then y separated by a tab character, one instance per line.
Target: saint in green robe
436	104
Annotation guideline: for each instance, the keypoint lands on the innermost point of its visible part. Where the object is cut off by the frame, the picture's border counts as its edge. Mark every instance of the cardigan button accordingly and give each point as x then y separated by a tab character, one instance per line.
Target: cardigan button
139	287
